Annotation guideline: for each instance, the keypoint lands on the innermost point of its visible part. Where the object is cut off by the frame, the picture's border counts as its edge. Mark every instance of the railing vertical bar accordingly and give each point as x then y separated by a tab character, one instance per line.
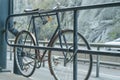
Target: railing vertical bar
98	64
75	46
11	51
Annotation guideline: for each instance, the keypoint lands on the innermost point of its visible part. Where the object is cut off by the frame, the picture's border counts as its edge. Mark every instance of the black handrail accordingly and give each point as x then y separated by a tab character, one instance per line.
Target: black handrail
96	6
75	9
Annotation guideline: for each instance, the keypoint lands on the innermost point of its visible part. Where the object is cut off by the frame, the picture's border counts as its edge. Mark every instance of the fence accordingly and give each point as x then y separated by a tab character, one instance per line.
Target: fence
97	61
75	21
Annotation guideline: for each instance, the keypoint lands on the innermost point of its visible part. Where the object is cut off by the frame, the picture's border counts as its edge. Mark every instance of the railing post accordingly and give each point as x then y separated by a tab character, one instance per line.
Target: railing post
44	57
97	64
4	11
11	51
75	46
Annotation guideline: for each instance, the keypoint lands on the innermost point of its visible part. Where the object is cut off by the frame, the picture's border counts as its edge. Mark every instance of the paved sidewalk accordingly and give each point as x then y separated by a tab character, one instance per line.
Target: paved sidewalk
36	76
43	74
11	76
106	73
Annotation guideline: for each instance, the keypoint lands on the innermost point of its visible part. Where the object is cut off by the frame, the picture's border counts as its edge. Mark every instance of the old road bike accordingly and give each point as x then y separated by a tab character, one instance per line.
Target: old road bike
29	55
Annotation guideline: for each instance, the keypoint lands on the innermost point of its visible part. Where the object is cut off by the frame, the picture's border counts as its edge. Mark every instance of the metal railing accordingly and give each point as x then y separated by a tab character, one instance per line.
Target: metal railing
75	15
97	46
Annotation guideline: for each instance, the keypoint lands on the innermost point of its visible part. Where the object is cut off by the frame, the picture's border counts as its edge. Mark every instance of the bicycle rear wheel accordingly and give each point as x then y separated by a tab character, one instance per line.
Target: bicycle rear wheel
25	57
61	63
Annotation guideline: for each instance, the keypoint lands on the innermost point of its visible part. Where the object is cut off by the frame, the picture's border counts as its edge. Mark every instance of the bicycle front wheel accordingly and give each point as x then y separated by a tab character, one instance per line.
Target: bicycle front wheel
61	63
25	57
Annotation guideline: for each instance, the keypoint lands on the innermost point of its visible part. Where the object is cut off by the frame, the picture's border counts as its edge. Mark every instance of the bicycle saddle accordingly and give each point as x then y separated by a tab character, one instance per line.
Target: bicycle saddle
31	10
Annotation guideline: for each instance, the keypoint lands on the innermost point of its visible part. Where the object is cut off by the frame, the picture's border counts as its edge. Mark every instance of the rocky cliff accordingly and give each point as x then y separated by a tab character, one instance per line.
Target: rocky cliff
97	25
100	25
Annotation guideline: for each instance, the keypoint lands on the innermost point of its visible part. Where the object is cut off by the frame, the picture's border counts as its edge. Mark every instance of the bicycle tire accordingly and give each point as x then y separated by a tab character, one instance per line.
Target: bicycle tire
56	70
25	58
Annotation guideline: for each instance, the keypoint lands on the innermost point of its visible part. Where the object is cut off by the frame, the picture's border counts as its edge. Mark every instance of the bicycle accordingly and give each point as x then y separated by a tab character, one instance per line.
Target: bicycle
29	59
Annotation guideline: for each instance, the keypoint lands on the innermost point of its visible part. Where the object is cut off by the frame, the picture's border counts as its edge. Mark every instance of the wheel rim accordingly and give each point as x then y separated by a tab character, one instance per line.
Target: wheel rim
62	71
25	57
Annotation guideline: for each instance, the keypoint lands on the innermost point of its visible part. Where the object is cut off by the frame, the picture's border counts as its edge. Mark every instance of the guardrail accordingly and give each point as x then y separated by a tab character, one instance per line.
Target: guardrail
97	46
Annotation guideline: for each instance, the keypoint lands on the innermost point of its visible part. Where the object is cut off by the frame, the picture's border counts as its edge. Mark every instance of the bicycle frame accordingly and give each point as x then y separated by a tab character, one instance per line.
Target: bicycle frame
57	30
32	20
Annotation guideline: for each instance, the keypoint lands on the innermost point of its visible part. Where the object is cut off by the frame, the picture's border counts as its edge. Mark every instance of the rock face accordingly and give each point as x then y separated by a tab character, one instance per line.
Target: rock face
100	25
97	25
